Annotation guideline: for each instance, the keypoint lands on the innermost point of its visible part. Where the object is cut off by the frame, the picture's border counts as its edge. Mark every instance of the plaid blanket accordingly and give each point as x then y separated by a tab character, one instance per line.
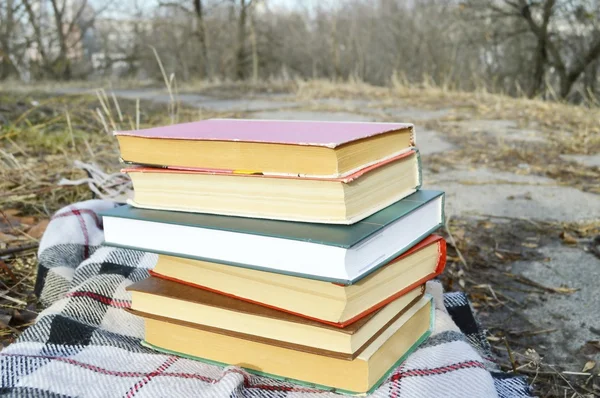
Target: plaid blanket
85	344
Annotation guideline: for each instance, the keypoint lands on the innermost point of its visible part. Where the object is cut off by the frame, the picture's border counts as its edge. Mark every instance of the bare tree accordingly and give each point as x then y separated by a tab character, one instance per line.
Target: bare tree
120	46
35	24
201	32
565	32
57	29
240	53
536	47
10	49
254	42
62	62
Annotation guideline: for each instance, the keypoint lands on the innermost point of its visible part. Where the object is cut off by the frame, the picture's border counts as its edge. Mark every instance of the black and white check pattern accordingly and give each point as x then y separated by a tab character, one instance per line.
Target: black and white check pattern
86	345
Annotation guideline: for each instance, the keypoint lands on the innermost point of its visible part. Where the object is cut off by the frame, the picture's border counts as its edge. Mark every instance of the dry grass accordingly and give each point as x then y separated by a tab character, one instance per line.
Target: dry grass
17	86
41	136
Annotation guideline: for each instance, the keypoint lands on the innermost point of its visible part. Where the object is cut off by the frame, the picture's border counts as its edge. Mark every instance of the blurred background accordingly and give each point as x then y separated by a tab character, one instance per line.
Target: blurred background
545	48
504	95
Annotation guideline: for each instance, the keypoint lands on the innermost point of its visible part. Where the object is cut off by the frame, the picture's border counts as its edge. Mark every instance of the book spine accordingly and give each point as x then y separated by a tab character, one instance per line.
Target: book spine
442	258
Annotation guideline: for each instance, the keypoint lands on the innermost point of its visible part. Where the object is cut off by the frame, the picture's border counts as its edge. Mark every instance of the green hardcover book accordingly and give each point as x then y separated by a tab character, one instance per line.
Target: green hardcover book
361	375
337	253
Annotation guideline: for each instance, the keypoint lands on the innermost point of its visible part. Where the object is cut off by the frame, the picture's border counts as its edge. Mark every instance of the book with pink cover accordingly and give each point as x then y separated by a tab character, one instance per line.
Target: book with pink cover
313	133
268	147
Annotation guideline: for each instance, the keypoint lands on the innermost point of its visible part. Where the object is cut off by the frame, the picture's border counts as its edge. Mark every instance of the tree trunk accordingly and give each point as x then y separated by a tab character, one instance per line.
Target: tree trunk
591	76
540	30
566	83
241	41
539	68
5	37
63	63
569	78
35	24
253	43
335	51
201	31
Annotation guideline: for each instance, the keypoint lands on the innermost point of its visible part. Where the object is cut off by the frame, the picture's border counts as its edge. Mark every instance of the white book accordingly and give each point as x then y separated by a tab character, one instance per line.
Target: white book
337	253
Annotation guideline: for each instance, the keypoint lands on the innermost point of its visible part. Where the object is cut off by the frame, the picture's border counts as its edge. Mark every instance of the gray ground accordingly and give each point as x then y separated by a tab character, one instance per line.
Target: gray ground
476	193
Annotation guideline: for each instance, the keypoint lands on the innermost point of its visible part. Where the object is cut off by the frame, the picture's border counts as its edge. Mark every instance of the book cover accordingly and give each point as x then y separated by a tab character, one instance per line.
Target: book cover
311	133
344	236
432	239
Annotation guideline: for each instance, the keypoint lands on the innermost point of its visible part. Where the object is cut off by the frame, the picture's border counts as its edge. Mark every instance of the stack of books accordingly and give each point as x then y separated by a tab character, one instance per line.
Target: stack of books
297	250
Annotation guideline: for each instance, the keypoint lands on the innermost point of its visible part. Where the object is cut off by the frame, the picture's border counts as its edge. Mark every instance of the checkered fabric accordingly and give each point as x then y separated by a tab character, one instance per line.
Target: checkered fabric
85	344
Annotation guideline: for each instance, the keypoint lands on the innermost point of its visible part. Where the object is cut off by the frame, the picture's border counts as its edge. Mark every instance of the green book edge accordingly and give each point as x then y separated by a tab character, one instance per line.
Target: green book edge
346	236
420	341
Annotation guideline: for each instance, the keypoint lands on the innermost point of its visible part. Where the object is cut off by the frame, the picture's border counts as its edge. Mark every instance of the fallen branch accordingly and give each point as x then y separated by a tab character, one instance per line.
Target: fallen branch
510	356
532	333
18	249
529	282
14	300
453	242
567	381
473	213
531	372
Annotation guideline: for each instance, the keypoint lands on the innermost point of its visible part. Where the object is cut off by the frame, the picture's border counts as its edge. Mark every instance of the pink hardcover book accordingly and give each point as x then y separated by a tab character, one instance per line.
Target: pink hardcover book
268	146
312	133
